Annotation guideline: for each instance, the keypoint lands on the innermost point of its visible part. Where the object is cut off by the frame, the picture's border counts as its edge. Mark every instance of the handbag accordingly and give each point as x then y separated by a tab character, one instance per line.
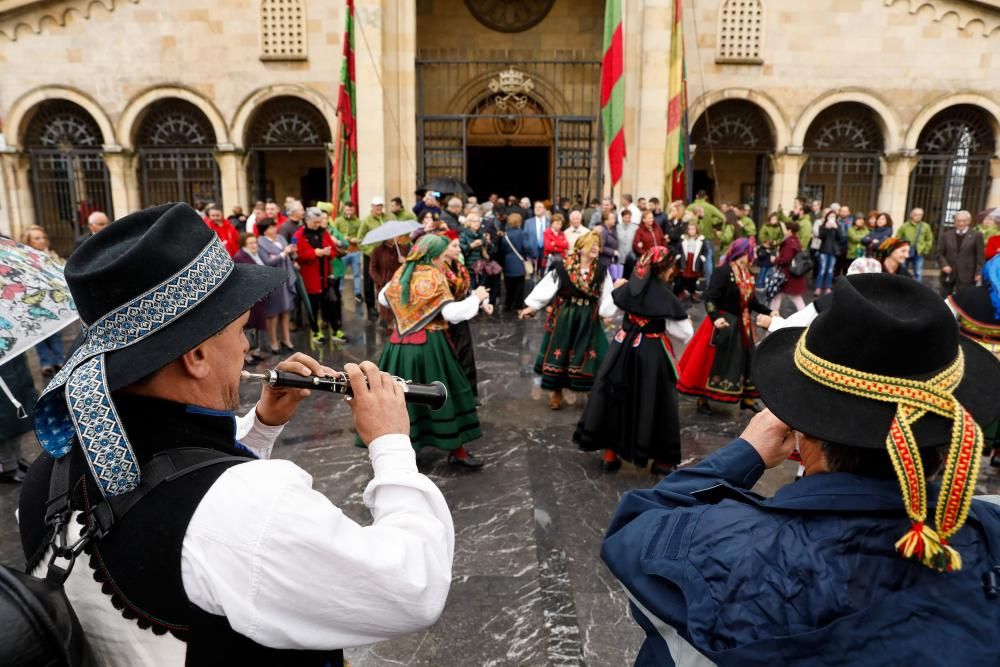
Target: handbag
529	265
774	283
801	264
486	267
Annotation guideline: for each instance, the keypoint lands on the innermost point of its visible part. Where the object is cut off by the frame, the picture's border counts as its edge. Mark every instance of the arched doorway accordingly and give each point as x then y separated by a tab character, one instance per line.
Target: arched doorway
176	155
953	171
732	161
288	141
510	153
69	179
843	145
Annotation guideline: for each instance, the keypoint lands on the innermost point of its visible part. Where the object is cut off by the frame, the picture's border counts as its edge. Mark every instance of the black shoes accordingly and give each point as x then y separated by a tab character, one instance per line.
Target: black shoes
704	408
468	461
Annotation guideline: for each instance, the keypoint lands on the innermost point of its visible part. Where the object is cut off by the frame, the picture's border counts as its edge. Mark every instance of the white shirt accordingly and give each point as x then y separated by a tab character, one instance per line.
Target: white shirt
306	576
547	287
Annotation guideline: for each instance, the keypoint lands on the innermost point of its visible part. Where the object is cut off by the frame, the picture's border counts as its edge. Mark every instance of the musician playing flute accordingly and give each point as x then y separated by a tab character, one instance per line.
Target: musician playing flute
237	560
418	350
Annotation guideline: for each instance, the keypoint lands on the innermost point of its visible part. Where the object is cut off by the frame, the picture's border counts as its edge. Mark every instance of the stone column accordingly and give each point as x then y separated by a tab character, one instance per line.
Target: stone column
399	76
647	146
993	197
7	212
785	180
232	177
18	208
896	185
372	121
124	186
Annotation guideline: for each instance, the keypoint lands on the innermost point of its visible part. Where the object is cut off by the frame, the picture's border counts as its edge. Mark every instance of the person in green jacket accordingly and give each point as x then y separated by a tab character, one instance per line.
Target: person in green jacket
800	216
398	212
724	234
920	236
712	214
374	220
746	228
347	225
769	238
857	231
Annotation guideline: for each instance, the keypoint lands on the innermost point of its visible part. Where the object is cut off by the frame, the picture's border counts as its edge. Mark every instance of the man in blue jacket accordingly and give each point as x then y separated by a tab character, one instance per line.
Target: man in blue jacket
860	562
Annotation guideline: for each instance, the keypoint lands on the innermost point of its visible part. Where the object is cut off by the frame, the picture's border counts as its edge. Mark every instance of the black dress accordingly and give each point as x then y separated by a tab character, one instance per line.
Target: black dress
633	406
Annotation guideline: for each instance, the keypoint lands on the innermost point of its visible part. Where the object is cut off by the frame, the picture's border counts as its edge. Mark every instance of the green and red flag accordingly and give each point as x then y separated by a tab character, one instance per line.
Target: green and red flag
345	172
613	89
676	111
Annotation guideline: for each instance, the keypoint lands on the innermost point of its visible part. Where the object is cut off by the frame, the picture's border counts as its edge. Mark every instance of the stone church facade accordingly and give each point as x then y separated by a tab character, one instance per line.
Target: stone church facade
118	104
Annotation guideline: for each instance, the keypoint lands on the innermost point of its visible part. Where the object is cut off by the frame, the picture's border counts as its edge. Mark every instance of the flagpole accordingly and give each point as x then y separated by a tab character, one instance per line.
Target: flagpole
337	166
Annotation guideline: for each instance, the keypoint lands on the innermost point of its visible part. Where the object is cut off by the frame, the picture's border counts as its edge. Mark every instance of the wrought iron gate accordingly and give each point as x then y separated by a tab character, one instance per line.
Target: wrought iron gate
851	179
178	174
561	90
68	185
942	185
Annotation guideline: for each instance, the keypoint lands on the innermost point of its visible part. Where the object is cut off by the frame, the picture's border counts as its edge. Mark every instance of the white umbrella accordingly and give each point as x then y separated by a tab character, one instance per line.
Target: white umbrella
35	301
390	230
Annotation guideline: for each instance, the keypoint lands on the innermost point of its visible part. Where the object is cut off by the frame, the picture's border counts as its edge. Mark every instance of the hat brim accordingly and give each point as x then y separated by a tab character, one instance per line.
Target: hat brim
847	419
245	286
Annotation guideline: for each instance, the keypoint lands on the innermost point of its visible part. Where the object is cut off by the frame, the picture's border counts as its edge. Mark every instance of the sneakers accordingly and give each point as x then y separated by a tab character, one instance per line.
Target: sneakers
338	336
318	338
359	298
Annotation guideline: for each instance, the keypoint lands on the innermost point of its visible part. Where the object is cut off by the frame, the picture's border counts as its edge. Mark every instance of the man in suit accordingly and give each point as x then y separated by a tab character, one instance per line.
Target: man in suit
535	227
960	254
452	214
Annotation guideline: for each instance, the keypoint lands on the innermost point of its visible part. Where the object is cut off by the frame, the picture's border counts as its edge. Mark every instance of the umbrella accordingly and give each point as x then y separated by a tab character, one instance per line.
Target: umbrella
34	300
390	230
447	185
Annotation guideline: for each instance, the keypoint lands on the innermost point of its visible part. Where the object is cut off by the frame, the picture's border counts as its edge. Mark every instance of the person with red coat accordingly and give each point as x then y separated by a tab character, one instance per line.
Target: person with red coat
795	286
315	250
648	236
217	222
555	242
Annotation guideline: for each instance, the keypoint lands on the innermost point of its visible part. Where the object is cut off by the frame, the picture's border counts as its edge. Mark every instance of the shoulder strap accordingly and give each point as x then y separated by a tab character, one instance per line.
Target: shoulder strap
507	239
166	466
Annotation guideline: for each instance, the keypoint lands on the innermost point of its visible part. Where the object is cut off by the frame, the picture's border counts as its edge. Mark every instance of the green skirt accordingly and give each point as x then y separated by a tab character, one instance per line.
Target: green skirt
572	349
456	423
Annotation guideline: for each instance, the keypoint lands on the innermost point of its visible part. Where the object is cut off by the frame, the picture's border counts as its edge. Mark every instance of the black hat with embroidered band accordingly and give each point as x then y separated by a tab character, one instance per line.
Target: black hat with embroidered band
149	287
884	367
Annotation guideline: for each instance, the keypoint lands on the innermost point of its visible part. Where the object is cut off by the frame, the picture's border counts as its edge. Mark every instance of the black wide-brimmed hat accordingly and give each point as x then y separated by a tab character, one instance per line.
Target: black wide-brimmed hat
885	325
148	288
884	367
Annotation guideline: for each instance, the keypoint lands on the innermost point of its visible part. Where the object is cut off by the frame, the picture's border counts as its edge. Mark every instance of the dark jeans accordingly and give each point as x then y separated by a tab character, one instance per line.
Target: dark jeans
369	284
329	308
513	292
681	283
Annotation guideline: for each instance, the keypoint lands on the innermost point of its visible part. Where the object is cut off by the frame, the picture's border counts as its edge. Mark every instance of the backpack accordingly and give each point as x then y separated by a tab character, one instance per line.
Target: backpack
38	626
801	264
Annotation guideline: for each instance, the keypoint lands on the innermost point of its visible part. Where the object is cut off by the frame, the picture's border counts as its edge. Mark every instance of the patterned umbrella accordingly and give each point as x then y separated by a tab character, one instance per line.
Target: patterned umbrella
34	299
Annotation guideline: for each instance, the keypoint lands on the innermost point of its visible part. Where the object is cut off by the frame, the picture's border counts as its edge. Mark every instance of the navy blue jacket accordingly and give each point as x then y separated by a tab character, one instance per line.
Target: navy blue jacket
513	266
807	577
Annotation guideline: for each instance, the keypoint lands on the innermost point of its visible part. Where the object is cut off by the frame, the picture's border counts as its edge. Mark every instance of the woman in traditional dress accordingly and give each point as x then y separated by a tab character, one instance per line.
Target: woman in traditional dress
460	284
978	312
418	349
716	365
573	347
632	411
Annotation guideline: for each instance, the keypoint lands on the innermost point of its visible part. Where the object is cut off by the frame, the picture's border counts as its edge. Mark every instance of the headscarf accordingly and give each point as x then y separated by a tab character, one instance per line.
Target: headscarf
991	275
864	265
427	248
653	262
586	242
739	248
890	245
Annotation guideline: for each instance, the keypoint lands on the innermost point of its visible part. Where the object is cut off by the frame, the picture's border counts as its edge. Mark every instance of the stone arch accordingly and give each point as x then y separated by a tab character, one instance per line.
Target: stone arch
245	112
23	109
131	118
780	129
991	108
885	116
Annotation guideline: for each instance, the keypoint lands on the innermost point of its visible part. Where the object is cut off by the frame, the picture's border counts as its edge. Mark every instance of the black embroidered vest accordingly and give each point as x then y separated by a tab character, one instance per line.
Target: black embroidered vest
139	561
